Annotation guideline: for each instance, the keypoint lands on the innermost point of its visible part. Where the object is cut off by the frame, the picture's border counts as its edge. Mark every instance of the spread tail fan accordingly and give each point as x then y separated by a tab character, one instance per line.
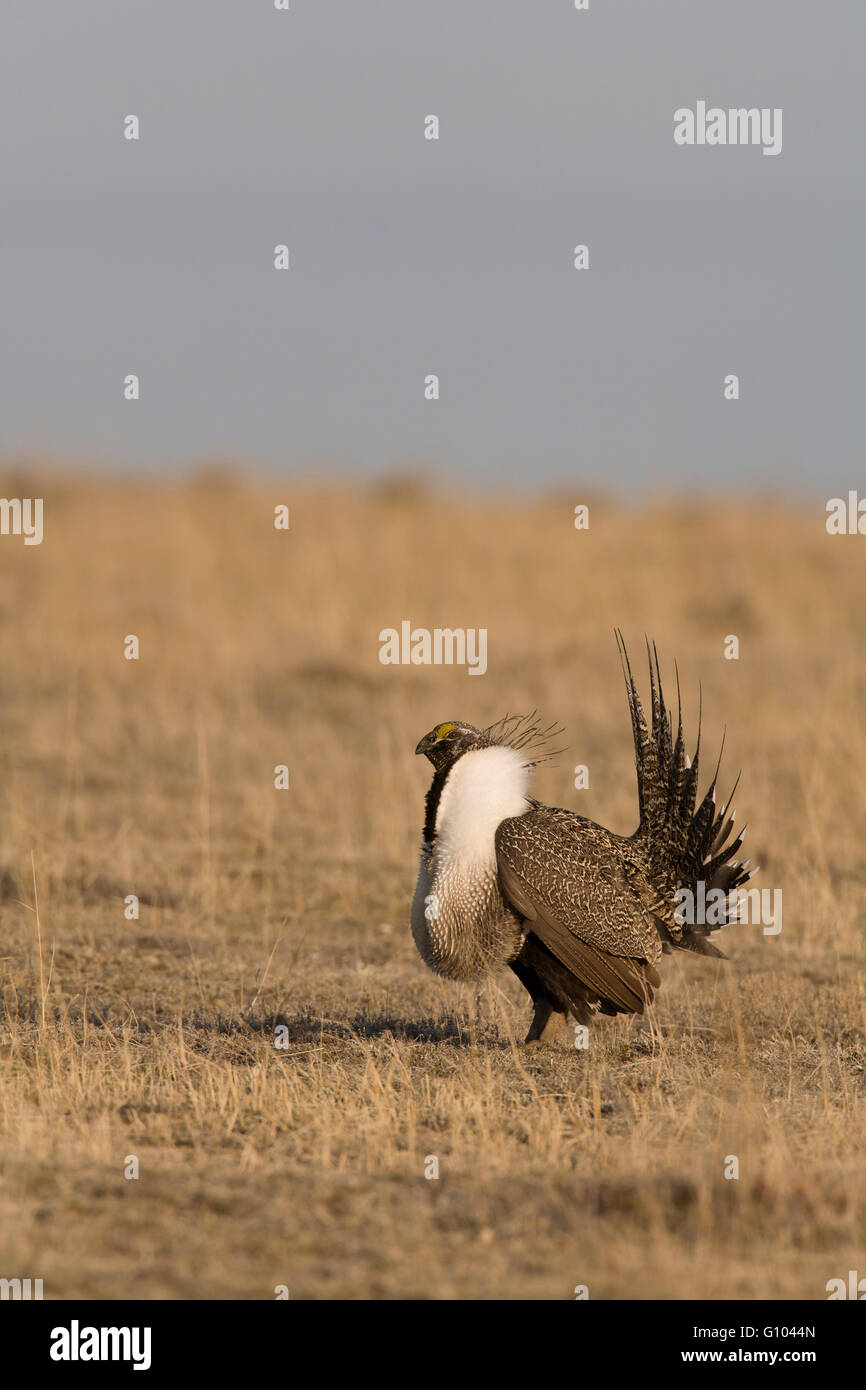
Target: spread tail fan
687	842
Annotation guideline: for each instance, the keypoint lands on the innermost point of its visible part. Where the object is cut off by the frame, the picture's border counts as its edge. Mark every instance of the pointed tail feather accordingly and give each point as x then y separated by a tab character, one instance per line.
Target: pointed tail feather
684	842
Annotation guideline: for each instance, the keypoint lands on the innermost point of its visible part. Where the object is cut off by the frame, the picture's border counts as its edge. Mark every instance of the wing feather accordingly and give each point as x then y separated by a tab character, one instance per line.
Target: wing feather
565	876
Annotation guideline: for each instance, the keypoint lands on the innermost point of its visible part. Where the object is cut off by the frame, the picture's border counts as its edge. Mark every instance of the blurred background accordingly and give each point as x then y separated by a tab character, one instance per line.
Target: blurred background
454	257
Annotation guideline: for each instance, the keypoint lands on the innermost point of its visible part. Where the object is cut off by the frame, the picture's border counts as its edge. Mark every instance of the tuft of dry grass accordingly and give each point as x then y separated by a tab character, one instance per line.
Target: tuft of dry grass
283	915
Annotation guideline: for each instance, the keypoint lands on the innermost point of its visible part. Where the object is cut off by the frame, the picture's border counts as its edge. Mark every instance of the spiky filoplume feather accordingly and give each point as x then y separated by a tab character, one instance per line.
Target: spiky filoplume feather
580	914
524	732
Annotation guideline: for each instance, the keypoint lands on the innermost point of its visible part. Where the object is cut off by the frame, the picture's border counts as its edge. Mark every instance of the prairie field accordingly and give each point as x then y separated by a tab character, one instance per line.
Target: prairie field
280	916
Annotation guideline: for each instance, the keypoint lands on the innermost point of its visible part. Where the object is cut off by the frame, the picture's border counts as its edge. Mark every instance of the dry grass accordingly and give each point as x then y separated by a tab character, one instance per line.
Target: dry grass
305	1167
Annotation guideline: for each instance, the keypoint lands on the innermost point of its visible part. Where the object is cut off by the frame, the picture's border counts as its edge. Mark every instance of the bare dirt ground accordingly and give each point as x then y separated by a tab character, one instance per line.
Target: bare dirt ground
305	1167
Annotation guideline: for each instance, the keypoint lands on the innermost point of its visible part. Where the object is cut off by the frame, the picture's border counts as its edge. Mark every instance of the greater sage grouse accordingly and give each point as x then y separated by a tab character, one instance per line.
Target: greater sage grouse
579	914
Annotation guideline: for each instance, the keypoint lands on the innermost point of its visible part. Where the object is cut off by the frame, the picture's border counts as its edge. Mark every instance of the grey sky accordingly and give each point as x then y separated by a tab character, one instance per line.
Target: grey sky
454	257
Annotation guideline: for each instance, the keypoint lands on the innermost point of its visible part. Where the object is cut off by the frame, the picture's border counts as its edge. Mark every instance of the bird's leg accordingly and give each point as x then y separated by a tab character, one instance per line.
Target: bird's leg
548	1024
548	1020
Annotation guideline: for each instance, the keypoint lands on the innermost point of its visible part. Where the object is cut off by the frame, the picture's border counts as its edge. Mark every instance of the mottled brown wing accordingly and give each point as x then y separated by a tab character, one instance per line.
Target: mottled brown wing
563	874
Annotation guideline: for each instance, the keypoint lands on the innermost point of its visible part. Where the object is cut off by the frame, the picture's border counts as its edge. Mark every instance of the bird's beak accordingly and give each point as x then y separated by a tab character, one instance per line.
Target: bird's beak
424	744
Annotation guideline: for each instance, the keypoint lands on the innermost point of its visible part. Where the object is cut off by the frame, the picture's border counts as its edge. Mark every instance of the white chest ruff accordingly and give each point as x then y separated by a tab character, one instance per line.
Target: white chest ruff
460	922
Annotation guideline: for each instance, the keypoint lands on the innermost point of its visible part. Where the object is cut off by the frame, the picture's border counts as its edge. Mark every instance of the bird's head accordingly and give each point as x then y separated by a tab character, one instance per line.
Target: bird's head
523	732
449	741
